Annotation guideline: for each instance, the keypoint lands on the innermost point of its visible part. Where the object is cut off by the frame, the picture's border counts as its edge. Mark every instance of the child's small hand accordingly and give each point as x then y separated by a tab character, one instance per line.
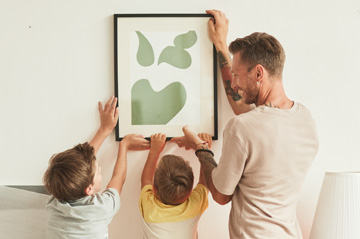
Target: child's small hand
135	142
157	142
206	137
109	115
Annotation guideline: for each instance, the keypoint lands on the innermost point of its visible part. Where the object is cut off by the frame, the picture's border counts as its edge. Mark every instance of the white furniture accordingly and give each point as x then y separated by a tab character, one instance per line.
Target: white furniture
337	214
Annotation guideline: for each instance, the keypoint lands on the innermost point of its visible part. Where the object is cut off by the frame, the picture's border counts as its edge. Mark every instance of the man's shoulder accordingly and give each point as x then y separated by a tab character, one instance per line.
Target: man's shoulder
242	119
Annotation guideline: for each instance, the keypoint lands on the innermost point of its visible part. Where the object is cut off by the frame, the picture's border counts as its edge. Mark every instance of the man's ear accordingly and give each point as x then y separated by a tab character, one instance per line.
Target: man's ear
89	190
259	72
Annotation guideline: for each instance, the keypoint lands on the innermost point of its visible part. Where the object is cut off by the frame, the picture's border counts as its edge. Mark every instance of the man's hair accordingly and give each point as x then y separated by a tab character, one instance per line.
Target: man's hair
70	172
173	180
260	48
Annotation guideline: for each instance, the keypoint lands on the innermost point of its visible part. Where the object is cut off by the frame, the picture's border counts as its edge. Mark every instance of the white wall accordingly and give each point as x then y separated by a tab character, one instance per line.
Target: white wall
56	62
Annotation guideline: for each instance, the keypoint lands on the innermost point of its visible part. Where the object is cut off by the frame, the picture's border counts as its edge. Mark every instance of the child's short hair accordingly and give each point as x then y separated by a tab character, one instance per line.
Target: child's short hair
173	180
71	172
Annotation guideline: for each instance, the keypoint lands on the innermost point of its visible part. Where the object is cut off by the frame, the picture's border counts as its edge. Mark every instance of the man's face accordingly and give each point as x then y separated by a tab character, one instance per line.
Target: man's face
244	80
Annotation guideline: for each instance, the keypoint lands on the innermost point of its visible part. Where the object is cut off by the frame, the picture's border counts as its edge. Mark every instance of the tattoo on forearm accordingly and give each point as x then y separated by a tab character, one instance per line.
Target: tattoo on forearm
226	75
222	60
209	159
230	91
207	164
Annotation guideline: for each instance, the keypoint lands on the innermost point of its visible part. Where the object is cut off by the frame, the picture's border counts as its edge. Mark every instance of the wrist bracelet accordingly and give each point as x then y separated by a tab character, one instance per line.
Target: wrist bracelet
203	143
204	150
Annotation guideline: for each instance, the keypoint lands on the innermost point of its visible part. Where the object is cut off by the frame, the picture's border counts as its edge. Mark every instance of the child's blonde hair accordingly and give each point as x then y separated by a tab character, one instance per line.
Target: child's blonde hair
173	180
70	172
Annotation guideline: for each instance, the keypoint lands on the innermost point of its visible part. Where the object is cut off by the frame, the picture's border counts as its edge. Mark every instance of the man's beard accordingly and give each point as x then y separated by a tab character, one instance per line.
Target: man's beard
251	94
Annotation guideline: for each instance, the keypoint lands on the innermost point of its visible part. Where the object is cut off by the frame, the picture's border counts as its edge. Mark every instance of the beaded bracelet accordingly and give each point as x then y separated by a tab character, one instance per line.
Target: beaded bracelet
203	143
204	150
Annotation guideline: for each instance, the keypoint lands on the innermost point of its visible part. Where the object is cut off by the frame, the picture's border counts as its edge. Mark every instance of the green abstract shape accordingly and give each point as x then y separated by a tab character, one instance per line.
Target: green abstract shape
145	53
186	40
149	107
176	57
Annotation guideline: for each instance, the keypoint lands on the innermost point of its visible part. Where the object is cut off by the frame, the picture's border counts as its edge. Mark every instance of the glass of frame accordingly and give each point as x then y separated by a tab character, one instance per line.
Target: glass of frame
165	74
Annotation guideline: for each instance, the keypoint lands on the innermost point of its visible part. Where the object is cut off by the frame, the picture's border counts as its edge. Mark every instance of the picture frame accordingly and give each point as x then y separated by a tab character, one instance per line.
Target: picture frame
165	71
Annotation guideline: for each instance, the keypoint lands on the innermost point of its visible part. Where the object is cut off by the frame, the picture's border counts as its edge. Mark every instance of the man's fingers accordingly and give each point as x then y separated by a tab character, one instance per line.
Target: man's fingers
185	129
212	11
215	13
177	141
211	25
209	140
206	137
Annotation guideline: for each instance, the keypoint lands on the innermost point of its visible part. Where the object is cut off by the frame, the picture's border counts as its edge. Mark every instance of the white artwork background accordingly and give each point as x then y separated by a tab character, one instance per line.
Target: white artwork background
164	74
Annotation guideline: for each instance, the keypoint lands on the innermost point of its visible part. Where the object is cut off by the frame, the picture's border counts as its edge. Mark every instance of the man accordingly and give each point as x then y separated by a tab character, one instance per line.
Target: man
267	149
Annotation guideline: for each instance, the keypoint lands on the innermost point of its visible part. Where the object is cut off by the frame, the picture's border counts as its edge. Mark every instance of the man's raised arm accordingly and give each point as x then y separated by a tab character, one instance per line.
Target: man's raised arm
218	29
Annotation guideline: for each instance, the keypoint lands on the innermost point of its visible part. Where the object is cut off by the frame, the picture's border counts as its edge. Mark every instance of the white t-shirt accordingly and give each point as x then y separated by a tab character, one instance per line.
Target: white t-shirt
87	217
266	155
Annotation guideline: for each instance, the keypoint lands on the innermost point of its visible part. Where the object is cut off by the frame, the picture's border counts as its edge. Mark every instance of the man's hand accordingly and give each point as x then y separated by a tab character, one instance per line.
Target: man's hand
189	140
109	115
207	138
218	28
135	142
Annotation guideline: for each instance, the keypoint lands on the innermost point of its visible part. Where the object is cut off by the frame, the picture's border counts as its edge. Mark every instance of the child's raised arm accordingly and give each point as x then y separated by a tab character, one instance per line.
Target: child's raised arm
129	142
108	117
157	143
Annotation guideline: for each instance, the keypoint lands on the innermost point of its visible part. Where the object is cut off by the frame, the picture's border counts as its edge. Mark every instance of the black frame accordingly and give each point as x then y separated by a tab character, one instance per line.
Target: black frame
116	16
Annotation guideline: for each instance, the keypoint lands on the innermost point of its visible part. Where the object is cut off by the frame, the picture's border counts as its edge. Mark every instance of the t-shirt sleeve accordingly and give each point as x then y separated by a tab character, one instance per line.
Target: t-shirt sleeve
227	174
200	196
111	200
146	192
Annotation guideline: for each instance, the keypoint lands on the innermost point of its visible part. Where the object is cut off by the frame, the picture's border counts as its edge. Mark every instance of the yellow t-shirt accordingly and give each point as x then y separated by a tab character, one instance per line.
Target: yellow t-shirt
169	221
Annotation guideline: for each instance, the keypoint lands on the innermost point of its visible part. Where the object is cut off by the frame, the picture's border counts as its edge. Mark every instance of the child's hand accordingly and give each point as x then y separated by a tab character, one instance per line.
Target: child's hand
207	138
109	115
135	142
157	142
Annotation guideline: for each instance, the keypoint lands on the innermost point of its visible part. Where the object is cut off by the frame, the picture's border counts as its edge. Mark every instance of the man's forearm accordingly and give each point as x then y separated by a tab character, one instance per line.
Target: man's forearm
226	76
225	69
235	99
224	59
207	166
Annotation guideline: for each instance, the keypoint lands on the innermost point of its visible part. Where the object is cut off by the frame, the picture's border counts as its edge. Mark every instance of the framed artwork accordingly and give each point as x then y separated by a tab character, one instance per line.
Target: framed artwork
165	74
